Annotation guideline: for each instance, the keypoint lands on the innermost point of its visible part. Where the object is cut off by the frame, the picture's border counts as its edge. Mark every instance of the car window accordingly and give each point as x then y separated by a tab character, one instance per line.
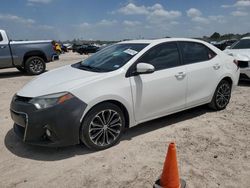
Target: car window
242	44
162	56
194	52
1	38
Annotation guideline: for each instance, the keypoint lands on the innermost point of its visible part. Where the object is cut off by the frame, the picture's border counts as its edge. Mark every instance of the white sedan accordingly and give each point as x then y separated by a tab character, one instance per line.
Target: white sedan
241	52
125	84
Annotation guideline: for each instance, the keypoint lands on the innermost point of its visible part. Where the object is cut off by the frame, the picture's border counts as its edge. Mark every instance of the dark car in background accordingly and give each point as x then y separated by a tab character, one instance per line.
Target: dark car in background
86	49
75	47
224	43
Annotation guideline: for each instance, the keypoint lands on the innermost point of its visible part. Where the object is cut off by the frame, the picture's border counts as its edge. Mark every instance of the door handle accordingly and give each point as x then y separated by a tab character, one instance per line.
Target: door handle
180	75
1	47
216	66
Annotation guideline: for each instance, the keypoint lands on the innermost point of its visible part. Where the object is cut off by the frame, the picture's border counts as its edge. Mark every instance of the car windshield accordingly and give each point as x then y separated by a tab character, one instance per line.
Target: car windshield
242	44
111	58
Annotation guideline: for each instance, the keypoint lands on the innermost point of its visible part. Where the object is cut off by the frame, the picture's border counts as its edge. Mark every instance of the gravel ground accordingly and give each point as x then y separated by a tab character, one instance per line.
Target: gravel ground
213	148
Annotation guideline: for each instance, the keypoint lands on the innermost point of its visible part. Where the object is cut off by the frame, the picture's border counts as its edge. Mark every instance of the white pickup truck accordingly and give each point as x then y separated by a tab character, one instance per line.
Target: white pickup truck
26	56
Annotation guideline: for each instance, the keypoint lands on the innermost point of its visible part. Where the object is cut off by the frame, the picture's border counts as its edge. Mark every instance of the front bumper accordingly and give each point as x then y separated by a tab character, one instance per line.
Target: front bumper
61	121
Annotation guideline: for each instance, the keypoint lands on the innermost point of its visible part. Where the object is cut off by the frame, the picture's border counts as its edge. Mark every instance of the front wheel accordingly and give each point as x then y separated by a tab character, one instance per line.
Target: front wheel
35	65
221	96
102	127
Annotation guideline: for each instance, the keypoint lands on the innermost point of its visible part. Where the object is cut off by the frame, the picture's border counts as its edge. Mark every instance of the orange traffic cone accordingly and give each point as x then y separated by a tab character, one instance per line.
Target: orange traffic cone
170	175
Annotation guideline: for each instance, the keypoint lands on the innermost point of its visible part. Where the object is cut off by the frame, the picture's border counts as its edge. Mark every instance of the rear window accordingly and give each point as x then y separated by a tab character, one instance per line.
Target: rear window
193	52
1	38
242	44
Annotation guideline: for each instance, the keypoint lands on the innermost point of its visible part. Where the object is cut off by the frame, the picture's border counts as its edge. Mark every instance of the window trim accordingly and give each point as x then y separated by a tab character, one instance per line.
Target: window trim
131	70
182	53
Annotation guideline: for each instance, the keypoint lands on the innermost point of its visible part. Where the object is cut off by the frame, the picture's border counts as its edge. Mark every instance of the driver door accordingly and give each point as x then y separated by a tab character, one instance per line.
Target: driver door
163	91
5	56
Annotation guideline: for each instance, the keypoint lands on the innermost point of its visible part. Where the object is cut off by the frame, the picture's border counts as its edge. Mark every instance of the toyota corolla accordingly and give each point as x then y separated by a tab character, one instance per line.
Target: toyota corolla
123	85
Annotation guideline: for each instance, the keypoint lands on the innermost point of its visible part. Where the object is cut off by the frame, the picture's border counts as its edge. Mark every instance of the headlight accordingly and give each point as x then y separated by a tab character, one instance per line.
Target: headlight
47	101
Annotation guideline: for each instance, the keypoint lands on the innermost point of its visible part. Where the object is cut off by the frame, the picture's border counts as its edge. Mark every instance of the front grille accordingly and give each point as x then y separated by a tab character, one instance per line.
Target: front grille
242	64
22	99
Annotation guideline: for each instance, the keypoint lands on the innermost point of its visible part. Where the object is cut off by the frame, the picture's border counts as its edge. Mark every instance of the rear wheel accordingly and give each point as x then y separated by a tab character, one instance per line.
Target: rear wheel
35	65
221	96
102	126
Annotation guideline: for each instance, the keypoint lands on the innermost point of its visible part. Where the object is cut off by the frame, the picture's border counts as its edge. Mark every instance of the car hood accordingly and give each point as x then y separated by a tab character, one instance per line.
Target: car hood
62	79
239	54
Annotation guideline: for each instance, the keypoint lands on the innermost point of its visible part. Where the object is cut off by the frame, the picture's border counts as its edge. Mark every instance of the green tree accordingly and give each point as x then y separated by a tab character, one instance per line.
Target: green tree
215	35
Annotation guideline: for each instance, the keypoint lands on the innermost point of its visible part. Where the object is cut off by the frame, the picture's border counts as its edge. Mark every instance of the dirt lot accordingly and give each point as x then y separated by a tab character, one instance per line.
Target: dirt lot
213	148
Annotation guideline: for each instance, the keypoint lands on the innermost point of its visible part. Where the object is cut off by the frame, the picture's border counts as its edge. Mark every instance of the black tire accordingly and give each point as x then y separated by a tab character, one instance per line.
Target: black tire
21	69
221	96
35	65
97	135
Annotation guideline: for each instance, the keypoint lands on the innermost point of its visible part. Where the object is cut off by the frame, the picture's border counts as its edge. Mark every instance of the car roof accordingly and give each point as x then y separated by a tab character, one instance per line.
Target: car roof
155	41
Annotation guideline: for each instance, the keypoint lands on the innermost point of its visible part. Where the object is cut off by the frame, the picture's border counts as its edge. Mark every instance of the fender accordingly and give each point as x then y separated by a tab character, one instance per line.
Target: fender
119	99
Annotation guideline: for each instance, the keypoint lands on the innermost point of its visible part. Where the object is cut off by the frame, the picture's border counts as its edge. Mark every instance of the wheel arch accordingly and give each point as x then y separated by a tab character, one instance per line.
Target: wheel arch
224	77
34	53
118	103
227	78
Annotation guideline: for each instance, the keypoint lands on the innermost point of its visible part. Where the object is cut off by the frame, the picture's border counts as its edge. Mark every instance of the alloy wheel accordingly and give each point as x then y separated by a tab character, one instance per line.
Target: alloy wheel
105	127
223	95
36	66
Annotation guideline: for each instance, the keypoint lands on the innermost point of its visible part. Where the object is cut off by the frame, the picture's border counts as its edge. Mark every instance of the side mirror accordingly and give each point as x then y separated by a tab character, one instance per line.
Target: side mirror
227	47
144	68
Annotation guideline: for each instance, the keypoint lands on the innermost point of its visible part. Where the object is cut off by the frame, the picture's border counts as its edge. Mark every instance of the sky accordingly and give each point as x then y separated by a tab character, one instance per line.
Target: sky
122	19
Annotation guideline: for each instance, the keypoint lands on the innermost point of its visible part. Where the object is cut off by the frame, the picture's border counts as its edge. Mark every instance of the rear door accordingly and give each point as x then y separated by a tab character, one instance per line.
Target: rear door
203	68
162	92
5	55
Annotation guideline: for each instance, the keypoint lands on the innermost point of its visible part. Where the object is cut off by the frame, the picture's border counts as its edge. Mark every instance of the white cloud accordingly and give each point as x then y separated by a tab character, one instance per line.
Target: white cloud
174	23
131	23
162	16
17	19
201	20
101	23
156	6
153	12
105	22
46	27
239	13
84	25
196	16
132	9
244	3
39	1
166	14
217	18
238	4
193	12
